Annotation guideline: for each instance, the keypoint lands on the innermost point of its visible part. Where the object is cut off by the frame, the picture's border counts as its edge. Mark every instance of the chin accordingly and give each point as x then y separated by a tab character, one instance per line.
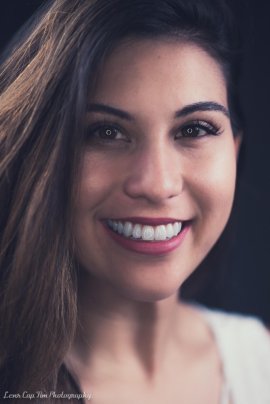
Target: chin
149	296
149	291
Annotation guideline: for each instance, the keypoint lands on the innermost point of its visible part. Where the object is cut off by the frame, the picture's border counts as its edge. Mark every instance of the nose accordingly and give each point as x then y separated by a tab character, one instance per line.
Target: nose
155	174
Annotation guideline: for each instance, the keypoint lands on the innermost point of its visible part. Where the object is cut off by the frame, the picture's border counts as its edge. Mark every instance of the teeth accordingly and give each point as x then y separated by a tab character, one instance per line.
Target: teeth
177	228
128	229
169	230
120	228
137	231
146	232
160	233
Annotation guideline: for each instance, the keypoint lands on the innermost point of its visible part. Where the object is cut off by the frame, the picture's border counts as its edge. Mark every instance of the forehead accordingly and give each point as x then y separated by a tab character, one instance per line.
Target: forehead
157	73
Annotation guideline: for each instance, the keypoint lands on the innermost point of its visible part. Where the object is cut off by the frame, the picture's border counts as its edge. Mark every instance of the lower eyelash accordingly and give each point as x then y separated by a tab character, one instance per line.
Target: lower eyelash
92	129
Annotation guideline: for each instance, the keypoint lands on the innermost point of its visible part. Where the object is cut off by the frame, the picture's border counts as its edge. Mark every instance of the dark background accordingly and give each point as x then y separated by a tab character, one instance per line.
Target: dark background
247	288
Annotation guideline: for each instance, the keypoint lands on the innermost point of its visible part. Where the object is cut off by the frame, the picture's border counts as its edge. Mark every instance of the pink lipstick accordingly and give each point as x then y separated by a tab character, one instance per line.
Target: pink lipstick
151	236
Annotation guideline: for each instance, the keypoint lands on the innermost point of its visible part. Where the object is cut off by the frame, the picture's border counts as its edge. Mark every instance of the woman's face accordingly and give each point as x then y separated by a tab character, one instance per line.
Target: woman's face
159	156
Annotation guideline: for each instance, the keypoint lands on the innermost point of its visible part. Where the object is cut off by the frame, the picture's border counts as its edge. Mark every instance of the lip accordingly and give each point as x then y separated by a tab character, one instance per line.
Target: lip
145	247
148	220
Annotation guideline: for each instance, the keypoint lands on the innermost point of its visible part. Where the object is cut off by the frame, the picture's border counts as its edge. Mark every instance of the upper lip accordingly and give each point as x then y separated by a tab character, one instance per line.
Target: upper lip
148	220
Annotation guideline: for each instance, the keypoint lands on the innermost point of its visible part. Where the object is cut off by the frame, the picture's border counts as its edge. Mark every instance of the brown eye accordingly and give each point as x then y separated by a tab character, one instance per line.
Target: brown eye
191	131
196	129
105	133
108	132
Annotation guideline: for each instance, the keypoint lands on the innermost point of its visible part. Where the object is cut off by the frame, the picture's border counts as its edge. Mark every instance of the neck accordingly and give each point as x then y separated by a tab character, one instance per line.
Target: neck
114	329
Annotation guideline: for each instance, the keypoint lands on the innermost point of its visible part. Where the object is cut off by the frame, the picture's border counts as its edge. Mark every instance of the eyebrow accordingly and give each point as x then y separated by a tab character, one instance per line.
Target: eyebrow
110	110
202	106
187	110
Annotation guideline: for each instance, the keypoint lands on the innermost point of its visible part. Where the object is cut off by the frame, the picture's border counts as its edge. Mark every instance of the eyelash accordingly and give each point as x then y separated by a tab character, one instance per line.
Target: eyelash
209	128
92	129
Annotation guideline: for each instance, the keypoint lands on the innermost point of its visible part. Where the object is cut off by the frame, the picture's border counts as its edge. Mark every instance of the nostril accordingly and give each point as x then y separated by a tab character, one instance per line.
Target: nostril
154	189
155	174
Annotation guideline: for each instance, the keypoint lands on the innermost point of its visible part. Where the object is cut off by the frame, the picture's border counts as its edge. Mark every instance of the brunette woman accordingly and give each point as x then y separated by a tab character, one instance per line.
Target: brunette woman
120	135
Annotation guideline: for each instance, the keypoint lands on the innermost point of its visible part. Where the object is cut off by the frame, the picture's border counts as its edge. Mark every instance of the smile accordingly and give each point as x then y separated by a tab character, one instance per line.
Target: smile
147	235
137	231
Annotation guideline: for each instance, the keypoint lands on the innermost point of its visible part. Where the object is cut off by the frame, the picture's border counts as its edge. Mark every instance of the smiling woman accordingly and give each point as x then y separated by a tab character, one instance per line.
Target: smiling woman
120	134
180	138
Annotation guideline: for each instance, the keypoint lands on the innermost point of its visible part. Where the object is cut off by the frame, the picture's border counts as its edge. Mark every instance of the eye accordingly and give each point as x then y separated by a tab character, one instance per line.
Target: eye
197	129
105	133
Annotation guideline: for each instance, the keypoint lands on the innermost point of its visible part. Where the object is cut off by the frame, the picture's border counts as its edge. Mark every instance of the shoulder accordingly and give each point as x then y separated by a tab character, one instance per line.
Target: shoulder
244	346
248	329
238	331
231	328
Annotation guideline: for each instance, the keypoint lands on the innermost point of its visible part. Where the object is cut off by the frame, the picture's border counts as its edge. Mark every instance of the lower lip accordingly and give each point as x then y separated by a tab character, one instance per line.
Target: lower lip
149	247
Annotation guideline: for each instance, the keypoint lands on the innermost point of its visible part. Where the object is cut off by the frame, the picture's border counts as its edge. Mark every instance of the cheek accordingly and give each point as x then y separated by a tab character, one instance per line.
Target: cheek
93	188
96	182
222	179
216	172
213	191
97	196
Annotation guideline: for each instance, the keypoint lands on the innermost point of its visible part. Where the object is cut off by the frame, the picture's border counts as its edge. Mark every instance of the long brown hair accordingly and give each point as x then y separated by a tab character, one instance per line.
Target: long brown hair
45	78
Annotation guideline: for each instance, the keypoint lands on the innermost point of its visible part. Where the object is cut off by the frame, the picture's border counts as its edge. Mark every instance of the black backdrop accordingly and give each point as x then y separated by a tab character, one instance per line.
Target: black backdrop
248	289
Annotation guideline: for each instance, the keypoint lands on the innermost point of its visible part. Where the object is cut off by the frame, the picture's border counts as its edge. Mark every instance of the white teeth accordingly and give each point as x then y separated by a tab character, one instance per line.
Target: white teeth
120	228
148	233
160	233
137	231
169	230
176	228
145	232
128	229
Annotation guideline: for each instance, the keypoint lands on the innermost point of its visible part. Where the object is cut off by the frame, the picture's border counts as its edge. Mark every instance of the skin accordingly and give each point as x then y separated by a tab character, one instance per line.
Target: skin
134	335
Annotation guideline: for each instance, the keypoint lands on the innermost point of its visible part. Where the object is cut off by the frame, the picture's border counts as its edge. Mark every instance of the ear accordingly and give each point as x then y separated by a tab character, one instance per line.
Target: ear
237	143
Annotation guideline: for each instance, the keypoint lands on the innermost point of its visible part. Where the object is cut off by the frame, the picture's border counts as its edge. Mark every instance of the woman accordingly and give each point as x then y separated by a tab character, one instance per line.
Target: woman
120	133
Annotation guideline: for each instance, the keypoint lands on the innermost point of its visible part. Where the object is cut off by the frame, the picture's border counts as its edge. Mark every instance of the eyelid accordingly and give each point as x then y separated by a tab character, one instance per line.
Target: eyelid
201	123
100	124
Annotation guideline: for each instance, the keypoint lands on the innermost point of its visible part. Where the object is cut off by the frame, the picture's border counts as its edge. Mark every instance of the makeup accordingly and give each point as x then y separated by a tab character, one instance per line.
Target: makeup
146	235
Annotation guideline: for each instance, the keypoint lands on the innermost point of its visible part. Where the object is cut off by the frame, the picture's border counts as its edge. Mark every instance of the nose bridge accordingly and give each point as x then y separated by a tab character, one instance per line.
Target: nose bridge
155	174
